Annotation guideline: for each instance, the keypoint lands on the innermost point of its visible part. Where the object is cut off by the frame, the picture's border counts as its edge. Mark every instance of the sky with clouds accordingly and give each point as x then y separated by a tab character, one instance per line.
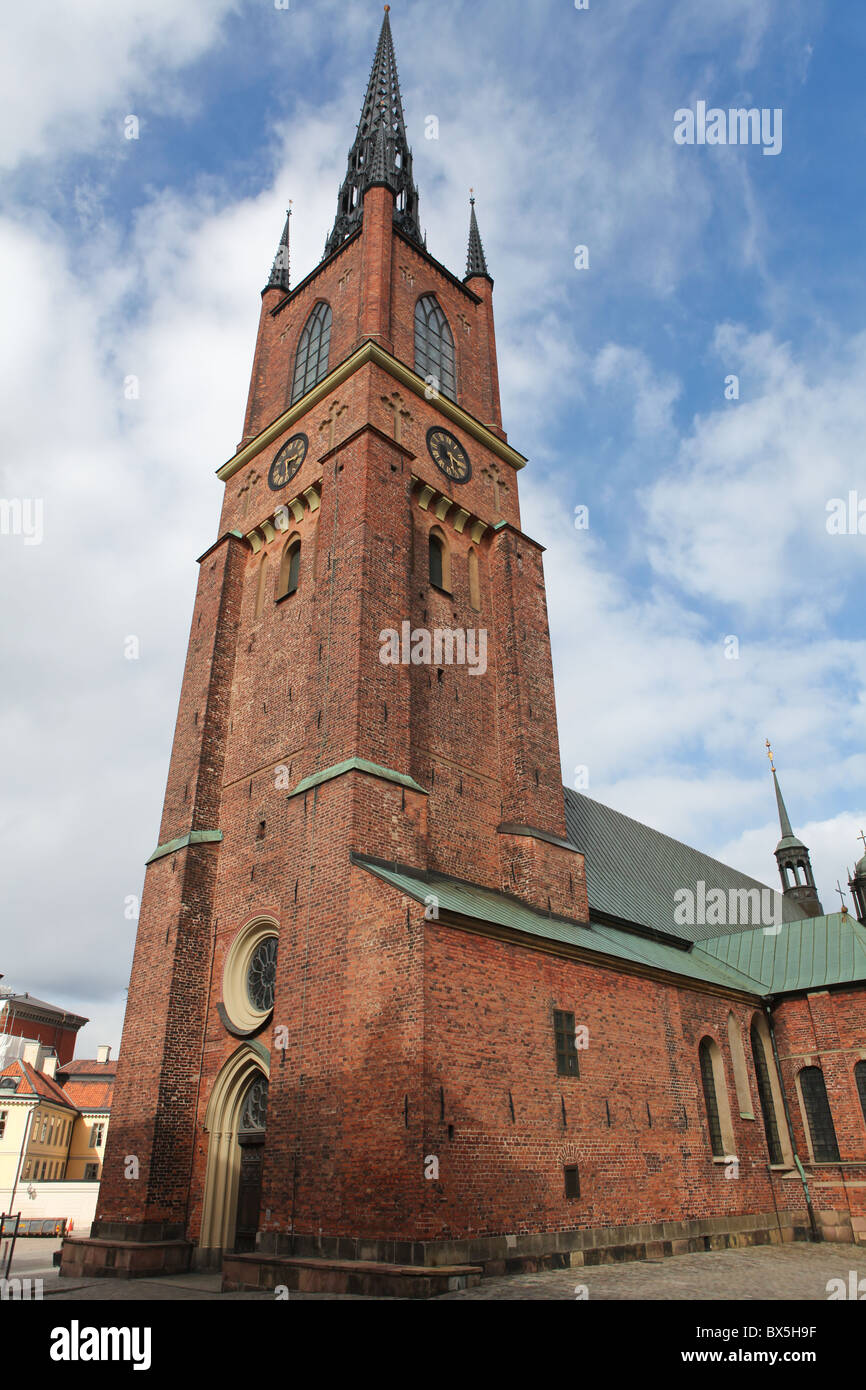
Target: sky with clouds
708	516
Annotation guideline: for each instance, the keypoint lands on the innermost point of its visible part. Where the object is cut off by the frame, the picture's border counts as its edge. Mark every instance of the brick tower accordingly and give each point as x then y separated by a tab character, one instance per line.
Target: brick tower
366	721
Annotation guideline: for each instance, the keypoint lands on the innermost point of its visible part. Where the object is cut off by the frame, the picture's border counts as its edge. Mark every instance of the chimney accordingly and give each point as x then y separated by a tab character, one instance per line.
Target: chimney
33	1052
49	1066
103	1052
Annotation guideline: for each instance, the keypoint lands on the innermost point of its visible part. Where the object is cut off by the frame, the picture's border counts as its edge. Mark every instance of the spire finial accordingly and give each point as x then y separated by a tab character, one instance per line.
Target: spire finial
279	277
842	896
862	837
476	262
770	755
382	110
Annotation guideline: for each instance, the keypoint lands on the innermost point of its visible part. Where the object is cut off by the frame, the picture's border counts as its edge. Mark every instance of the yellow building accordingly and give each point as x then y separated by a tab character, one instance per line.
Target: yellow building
53	1124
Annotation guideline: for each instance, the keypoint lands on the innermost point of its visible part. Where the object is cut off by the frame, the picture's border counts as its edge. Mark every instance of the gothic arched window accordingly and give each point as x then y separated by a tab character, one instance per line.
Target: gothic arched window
311	362
765	1094
822	1131
254	1110
434	347
711	1100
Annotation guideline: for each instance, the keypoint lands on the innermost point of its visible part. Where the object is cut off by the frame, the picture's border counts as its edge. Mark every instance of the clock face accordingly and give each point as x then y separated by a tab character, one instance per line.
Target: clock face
288	461
449	455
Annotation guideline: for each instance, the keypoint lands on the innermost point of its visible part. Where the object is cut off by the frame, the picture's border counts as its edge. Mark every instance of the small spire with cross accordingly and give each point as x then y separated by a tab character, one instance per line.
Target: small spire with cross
862	837
841	893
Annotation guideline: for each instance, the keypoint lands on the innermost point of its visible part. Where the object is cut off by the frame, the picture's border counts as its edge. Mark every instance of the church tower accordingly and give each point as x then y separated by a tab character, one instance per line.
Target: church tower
367	704
793	859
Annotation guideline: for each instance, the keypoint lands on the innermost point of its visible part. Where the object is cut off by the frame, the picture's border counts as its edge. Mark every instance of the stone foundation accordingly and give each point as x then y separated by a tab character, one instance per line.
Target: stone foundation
86	1257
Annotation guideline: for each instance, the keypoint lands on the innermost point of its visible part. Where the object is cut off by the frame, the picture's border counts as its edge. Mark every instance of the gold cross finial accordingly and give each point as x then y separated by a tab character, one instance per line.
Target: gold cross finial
770	754
862	837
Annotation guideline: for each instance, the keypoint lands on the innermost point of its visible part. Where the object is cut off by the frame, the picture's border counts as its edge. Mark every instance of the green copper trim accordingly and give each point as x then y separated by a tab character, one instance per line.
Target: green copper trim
192	837
387	774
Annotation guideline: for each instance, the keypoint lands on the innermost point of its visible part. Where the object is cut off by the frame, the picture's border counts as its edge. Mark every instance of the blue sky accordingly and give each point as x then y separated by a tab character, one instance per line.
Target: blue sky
707	516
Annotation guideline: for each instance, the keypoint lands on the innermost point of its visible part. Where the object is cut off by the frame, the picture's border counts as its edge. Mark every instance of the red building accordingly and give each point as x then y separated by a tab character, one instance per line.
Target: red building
397	995
24	1016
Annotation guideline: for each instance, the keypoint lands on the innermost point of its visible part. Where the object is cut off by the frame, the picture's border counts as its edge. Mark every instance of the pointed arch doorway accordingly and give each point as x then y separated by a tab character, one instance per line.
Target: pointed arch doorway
235	1121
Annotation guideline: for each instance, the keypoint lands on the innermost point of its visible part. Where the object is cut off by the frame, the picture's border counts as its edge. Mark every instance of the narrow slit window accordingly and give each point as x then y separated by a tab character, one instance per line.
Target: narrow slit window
566	1050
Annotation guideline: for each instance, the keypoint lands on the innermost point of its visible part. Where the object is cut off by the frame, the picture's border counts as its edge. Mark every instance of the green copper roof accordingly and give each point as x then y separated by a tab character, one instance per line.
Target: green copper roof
811	954
789	839
801	955
499	909
193	837
633	872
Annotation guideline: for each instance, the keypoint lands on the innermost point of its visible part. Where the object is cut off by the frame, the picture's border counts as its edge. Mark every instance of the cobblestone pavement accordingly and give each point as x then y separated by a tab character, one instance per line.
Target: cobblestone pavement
799	1272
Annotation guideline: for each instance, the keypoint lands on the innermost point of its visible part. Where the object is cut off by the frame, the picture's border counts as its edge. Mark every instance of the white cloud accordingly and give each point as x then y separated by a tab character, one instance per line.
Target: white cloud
69	71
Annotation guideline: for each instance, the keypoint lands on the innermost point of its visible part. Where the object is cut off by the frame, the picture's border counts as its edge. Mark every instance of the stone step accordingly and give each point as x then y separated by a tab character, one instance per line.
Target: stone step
366	1278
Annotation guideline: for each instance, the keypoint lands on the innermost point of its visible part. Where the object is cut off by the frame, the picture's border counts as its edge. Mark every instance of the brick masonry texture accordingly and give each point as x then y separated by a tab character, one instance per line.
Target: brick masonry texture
408	1038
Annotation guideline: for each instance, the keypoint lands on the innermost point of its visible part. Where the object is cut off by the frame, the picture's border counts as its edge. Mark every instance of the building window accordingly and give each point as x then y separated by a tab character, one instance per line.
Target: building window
27	1166
3	1115
439	560
765	1095
825	1148
860	1078
436	567
262	974
311	362
434	347
91	1172
572	1180
44	1130
290	568
96	1133
566	1051
711	1101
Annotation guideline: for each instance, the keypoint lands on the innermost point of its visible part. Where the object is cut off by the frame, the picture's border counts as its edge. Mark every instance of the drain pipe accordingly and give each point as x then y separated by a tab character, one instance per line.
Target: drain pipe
816	1235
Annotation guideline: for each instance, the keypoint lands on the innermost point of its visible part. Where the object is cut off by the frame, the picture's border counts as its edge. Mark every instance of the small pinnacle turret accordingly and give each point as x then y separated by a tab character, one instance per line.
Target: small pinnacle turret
793	859
380	153
279	278
476	262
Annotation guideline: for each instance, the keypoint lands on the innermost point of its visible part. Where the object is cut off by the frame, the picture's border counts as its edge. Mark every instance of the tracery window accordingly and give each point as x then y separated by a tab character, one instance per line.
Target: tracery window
311	362
434	347
254	1111
262	974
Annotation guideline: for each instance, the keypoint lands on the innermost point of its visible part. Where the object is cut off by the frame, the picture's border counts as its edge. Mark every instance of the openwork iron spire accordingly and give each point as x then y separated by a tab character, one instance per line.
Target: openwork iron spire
476	262
280	269
381	121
